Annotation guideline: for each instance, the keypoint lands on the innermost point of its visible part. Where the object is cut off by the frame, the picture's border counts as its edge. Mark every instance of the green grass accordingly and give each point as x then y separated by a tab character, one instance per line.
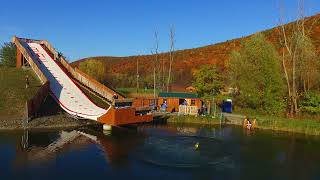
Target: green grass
13	94
296	125
305	125
97	100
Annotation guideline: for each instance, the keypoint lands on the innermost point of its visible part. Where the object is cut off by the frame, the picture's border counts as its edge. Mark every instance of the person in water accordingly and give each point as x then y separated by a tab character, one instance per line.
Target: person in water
249	124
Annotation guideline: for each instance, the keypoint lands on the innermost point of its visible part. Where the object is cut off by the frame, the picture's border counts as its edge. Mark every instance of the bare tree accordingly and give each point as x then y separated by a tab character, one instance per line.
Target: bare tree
289	44
295	56
137	88
155	62
171	55
163	74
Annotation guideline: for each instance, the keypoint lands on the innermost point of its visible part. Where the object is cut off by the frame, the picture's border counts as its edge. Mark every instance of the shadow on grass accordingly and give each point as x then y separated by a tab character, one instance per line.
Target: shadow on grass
49	107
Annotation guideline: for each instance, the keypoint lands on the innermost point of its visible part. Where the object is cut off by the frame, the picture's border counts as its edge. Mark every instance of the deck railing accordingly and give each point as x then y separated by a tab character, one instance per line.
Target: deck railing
188	110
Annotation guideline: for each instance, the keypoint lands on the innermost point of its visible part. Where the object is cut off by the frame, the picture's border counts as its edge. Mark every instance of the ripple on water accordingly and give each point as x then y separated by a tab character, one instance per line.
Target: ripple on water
181	152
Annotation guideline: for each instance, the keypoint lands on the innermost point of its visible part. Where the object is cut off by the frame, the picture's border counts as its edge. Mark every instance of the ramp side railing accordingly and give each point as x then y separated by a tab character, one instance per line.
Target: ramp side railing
27	56
33	104
101	89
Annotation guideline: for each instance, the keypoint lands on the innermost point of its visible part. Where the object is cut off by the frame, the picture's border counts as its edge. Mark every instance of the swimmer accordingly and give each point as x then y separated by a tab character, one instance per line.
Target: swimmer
249	124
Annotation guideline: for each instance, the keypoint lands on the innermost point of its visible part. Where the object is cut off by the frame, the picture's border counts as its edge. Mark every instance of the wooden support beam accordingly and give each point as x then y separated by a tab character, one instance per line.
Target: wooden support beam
19	60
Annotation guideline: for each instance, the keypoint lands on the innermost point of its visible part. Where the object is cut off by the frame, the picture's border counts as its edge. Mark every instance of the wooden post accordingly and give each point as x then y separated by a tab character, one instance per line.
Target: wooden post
26	119
25	139
209	107
19	60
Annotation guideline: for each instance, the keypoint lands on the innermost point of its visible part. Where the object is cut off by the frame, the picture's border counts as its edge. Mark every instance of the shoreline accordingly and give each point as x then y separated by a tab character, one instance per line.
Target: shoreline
57	121
63	121
306	127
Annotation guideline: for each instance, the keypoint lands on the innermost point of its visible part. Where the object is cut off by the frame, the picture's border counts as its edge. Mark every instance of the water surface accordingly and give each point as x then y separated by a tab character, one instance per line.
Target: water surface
159	152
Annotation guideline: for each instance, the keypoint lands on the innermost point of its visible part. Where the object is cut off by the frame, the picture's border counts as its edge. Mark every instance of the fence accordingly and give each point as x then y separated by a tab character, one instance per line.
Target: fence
188	110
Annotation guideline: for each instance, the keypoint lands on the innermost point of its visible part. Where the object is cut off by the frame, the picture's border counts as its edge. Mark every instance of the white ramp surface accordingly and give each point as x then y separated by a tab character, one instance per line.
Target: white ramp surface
64	90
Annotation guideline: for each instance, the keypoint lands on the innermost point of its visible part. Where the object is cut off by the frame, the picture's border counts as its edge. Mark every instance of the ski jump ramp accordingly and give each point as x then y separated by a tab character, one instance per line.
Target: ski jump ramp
66	92
63	89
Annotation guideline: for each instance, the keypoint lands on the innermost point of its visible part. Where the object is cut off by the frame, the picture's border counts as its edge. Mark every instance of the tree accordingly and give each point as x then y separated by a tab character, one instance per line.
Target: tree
93	68
299	60
138	76
155	61
311	103
308	65
207	81
8	54
171	55
255	71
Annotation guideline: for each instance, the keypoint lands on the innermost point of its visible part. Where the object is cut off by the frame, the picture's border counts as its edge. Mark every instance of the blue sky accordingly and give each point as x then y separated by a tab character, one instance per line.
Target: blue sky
125	27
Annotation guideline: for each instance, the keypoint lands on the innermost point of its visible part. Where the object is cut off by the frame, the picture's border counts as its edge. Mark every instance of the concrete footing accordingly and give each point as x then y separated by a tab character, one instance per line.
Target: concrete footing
107	127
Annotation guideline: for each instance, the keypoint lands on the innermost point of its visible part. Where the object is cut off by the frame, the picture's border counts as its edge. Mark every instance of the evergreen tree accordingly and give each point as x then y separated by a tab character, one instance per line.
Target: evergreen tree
8	55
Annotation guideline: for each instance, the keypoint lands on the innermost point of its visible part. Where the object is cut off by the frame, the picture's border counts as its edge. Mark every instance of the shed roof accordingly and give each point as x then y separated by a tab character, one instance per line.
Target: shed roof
190	87
178	95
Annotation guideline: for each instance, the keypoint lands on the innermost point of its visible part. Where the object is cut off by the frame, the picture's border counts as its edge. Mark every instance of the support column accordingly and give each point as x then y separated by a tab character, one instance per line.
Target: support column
19	60
107	127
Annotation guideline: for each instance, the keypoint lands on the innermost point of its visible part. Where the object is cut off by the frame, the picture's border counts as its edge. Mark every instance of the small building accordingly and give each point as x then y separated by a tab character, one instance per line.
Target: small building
191	89
175	99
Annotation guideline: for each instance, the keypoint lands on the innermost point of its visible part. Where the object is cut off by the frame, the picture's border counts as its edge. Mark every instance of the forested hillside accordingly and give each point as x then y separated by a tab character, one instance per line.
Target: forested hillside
121	71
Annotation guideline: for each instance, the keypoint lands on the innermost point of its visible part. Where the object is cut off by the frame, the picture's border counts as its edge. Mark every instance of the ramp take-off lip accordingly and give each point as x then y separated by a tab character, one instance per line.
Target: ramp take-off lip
63	89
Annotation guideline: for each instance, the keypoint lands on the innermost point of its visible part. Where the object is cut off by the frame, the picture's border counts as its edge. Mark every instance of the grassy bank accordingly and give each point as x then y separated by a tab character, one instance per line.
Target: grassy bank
305	125
13	93
301	125
186	119
13	97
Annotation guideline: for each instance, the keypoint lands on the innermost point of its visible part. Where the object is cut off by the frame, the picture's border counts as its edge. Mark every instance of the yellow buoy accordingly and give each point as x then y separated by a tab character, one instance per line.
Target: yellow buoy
196	146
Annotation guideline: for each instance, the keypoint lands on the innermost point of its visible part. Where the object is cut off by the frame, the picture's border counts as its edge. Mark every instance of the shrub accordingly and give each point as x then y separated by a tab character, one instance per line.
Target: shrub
8	55
311	103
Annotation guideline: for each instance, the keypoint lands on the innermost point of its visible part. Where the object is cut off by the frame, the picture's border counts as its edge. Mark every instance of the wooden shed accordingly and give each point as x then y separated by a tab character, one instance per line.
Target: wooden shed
174	99
191	89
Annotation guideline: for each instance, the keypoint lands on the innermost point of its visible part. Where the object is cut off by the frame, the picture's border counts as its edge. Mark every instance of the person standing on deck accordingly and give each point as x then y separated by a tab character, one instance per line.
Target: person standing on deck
164	106
185	102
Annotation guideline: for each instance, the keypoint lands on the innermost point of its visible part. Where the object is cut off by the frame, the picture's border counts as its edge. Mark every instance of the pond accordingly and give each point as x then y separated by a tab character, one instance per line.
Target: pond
159	152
